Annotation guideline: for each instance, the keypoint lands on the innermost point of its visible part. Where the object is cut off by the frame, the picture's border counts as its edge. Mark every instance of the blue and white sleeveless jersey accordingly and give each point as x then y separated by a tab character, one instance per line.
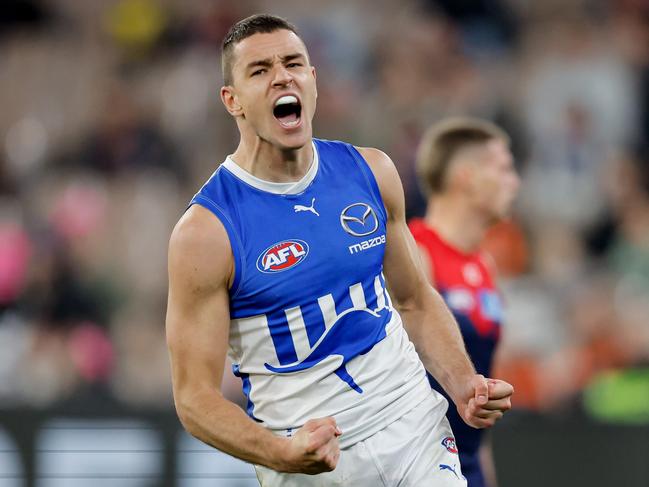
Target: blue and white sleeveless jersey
313	332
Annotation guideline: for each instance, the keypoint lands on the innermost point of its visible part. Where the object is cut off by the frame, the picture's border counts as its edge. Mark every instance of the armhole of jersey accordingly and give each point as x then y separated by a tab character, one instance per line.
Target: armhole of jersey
235	241
371	180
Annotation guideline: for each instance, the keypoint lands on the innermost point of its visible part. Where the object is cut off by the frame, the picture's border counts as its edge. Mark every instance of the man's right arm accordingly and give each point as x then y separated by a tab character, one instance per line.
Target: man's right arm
426	264
201	267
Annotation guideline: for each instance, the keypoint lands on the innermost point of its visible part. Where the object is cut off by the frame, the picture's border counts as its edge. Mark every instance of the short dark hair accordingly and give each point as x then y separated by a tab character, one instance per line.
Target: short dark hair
441	143
255	24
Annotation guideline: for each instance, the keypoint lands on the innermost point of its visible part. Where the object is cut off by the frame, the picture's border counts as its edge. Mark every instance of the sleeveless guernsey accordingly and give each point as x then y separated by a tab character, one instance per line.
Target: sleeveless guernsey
313	332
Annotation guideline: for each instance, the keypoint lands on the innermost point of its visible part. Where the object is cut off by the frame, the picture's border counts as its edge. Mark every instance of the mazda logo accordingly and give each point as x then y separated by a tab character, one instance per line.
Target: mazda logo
359	220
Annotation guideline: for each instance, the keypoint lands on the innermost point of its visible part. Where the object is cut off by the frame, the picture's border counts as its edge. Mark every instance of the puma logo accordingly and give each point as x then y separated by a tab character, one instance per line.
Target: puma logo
443	466
299	208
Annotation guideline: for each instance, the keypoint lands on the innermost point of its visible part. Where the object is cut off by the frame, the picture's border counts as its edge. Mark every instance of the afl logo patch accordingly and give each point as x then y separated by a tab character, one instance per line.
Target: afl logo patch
282	256
449	444
359	220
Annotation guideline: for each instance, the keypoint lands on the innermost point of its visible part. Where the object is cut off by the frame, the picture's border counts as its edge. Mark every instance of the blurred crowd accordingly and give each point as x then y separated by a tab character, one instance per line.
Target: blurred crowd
110	120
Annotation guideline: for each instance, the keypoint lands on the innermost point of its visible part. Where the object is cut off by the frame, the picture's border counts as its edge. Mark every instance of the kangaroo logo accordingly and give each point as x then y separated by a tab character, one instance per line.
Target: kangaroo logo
299	208
353	332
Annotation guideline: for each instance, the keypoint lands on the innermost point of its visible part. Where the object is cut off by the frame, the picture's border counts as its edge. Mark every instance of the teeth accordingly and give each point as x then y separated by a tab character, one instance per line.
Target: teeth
286	100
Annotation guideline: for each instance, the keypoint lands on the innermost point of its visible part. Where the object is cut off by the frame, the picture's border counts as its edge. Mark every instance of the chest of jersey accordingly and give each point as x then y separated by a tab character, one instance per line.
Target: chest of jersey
469	291
465	283
298	248
308	284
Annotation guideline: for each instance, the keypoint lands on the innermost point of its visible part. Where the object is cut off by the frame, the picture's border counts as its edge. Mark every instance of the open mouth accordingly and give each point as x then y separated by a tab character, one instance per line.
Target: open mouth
287	111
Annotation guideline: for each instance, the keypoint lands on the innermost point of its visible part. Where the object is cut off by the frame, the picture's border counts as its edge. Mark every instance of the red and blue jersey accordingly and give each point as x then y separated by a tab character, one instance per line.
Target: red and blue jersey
466	283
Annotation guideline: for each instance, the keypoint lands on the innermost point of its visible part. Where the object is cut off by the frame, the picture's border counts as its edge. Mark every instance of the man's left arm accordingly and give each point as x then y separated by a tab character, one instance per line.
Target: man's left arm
429	323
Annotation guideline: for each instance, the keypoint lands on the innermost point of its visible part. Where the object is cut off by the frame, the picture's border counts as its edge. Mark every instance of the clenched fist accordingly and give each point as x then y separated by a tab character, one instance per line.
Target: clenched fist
314	448
485	401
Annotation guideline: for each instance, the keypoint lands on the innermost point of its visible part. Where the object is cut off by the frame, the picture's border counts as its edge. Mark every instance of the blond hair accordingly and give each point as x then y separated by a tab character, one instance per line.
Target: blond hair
441	143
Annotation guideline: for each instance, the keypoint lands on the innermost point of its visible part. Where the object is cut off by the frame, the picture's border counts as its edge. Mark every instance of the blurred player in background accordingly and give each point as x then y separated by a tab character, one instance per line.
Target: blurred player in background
466	169
282	261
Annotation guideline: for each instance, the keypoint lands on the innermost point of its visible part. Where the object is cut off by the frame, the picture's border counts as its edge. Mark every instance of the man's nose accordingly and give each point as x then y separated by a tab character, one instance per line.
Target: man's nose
282	76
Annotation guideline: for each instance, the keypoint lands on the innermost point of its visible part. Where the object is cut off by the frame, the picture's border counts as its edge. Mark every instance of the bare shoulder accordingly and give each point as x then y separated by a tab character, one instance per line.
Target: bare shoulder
199	249
387	178
379	162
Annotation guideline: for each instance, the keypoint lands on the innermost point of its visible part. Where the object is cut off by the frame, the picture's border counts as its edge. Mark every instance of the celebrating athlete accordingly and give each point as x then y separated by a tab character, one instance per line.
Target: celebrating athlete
282	262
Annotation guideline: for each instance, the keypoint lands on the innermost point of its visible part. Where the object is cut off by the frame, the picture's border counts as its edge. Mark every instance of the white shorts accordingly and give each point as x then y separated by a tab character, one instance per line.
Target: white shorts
417	450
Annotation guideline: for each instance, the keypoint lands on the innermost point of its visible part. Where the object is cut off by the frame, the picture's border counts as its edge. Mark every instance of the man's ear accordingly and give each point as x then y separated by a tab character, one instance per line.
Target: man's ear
229	99
459	174
316	79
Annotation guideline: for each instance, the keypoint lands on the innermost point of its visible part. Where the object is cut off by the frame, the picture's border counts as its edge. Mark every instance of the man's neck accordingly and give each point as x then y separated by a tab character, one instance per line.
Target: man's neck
456	222
270	163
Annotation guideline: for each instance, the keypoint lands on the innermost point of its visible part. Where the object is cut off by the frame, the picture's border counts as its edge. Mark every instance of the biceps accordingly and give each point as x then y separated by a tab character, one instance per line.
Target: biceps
402	264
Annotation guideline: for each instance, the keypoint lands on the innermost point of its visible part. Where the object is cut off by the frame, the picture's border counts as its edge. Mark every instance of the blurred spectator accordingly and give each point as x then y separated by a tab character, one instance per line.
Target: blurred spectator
15	254
135	25
22	14
580	106
125	141
488	26
629	252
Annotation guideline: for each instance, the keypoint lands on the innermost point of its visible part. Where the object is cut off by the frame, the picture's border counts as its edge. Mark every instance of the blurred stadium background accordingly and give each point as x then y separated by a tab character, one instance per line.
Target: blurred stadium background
110	120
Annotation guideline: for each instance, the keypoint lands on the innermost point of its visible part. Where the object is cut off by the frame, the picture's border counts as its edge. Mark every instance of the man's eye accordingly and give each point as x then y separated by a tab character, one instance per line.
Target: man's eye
257	72
294	65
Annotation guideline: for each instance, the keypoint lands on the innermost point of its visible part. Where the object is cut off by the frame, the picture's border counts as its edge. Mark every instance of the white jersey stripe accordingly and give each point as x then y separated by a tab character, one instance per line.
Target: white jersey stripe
358	296
328	307
380	296
298	332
